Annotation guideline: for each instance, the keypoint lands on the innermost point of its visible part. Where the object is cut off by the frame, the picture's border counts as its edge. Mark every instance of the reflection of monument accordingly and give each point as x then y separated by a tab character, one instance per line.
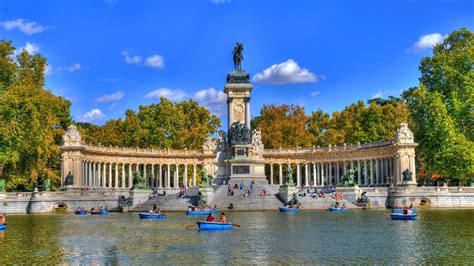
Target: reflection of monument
244	154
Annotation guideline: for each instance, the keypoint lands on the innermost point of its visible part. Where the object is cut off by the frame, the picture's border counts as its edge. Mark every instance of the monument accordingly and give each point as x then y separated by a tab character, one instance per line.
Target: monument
244	147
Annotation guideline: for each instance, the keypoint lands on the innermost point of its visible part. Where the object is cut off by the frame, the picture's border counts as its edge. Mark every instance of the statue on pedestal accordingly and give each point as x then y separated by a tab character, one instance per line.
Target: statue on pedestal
69	179
407	176
205	180
239	134
289	177
47	185
238	56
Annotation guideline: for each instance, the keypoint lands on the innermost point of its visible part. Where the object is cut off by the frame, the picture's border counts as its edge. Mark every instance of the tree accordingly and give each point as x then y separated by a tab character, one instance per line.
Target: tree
163	125
284	126
32	122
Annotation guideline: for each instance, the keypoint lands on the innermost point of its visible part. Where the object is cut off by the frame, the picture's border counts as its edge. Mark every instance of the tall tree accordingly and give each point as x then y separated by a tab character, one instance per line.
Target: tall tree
32	122
284	126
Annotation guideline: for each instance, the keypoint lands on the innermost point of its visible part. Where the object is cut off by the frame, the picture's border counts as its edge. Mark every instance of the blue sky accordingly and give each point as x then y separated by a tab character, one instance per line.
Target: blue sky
109	56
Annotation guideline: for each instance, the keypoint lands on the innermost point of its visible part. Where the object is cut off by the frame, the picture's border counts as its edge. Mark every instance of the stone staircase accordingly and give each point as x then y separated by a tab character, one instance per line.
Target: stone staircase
220	198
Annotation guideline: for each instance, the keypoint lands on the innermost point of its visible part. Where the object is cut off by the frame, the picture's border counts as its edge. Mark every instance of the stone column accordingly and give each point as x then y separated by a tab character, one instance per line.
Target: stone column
382	172
345	167
337	173
229	114
145	177
104	175
99	174
94	177
168	176
359	176
330	173
194	175
110	175
377	172
386	171
116	176
271	174
247	114
372	172
123	176
160	176
130	176
153	181
366	183
280	175
176	173
322	174
298	175
185	175
306	174
315	172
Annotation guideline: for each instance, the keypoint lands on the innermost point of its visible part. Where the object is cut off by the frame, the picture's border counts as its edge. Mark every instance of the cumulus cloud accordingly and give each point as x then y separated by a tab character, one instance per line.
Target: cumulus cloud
427	42
27	27
92	116
71	69
214	100
155	61
110	97
31	48
134	60
173	95
315	93
285	73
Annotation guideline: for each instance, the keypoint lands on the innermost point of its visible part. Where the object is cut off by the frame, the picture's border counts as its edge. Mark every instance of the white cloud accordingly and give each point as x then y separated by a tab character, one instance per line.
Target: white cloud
379	94
110	97
92	115
285	73
49	70
173	95
315	93
427	42
155	61
134	60
214	100
71	69
24	26
31	48
217	2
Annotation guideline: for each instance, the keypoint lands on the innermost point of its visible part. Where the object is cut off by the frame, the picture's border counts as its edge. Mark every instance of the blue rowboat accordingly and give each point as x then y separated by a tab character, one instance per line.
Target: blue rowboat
203	226
152	216
401	210
205	212
3	227
103	212
337	209
285	209
397	216
80	212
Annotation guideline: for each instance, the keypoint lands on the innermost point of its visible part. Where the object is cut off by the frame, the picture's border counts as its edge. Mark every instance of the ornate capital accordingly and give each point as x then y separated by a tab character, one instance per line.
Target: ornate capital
403	134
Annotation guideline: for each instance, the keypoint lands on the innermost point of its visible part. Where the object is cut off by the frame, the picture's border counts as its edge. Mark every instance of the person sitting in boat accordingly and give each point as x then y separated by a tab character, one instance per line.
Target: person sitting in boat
222	218
343	205
405	209
411	205
210	218
3	220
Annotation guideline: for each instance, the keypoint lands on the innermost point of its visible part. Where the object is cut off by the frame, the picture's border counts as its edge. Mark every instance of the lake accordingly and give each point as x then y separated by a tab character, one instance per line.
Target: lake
308	237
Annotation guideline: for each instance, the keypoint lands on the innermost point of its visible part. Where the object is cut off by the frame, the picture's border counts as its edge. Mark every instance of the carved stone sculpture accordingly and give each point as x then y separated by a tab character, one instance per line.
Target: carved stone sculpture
72	137
239	134
403	134
257	144
69	179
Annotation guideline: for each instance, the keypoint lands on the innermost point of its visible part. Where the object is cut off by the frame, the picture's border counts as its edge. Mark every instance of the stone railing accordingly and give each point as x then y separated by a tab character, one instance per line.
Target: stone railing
288	151
141	152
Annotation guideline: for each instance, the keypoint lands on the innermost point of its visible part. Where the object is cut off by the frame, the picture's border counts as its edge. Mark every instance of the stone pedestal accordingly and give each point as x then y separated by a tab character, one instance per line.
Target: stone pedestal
286	193
207	193
139	196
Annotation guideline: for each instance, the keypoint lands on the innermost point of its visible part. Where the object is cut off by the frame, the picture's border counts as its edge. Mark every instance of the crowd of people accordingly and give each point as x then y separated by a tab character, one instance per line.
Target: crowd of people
244	190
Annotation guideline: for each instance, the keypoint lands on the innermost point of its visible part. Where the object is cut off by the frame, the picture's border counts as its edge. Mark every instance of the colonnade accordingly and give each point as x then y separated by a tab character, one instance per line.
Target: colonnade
112	175
366	172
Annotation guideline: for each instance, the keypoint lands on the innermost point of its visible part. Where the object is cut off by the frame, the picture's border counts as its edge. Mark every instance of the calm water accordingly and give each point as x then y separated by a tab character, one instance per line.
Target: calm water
309	237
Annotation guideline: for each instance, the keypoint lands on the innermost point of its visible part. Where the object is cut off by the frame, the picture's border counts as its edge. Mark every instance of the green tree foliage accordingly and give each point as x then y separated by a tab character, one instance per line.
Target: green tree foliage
284	126
450	72
163	125
32	121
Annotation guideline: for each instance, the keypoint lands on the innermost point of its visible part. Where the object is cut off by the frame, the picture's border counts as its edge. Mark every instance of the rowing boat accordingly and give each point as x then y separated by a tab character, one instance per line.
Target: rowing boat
204	212
203	226
152	216
398	216
332	209
286	209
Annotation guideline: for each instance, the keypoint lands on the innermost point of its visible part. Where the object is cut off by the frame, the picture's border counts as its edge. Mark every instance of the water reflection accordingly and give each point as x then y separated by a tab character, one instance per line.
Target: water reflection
308	237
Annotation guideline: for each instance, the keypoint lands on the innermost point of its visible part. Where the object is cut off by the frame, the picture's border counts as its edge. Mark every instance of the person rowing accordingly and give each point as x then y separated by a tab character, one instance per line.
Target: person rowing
3	220
210	218
222	218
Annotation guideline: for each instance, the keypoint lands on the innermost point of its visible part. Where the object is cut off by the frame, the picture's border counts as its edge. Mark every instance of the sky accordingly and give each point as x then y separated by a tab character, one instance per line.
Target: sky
113	55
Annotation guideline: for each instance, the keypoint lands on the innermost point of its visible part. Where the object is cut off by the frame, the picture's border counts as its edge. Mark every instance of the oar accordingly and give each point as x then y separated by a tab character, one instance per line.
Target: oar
190	226
238	225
